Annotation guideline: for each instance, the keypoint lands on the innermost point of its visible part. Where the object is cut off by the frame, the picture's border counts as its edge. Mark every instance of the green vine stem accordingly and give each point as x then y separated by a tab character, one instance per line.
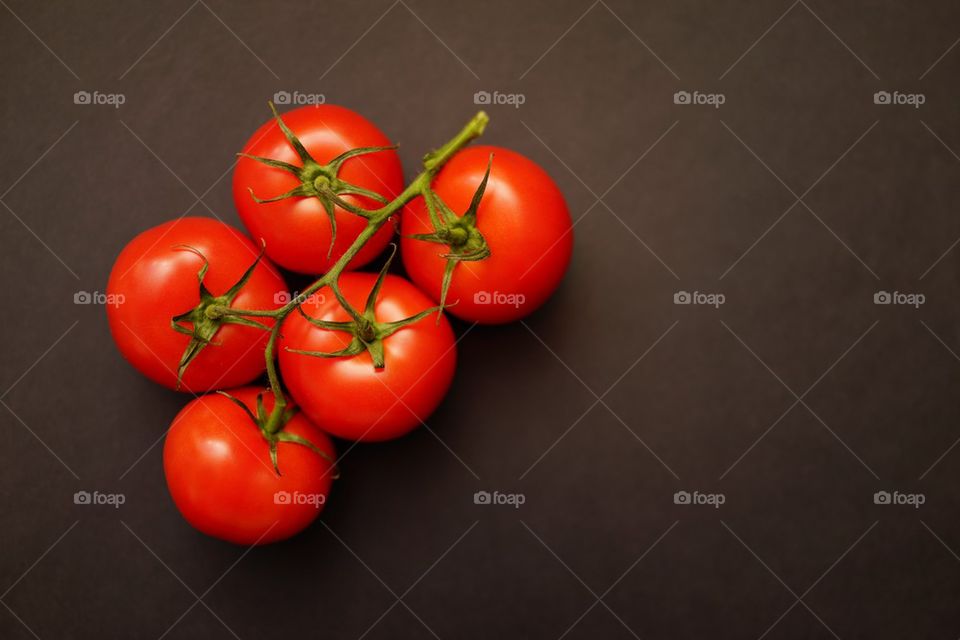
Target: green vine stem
376	218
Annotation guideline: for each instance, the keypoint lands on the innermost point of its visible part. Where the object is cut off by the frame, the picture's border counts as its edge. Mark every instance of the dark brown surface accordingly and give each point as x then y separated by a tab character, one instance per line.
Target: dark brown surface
797	399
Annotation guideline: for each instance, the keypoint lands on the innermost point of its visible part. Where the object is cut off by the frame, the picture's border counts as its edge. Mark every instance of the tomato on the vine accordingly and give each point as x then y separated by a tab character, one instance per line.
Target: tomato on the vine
291	168
347	394
162	275
516	250
221	477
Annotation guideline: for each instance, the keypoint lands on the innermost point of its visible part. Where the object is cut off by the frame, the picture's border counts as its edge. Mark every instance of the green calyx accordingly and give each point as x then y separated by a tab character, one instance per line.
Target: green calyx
463	240
367	333
274	437
320	181
203	321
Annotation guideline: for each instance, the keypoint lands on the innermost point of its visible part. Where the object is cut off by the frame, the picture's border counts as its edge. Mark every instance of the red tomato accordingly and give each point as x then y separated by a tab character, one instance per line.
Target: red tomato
220	476
346	396
155	278
297	229
525	222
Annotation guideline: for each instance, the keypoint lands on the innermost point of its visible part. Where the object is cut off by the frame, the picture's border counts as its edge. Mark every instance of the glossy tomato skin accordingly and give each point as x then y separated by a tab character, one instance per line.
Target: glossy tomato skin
297	230
220	476
158	281
346	396
527	226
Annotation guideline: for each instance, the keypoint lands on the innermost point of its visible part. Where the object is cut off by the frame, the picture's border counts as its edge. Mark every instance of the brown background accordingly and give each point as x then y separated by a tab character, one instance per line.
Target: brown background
797	399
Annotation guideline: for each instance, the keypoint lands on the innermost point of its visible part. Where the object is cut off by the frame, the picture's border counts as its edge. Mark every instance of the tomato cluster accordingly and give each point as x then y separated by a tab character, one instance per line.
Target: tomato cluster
485	236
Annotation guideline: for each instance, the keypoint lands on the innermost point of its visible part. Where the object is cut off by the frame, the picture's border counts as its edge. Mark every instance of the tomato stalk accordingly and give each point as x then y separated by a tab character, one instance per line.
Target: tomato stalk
376	218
